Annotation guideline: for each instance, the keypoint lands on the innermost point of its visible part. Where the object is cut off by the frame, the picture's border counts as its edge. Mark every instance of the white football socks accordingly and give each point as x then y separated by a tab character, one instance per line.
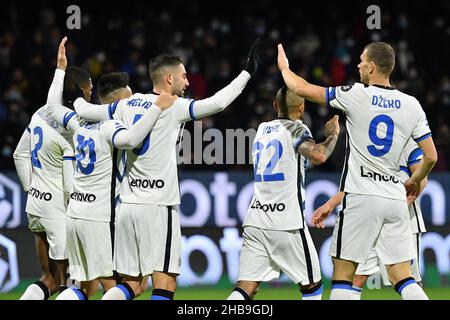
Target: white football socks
238	294
114	294
356	293
71	294
410	290
341	290
36	291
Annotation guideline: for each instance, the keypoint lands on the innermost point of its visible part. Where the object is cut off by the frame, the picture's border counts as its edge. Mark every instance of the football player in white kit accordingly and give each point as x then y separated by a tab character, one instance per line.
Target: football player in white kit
92	204
409	162
44	163
380	120
148	233
276	237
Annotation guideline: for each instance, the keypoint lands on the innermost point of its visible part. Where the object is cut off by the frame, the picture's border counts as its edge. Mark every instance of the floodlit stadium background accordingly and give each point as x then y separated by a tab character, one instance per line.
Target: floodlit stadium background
323	42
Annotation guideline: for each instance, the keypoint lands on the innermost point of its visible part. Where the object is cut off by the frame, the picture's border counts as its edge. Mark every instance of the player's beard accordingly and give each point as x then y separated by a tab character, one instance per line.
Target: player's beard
179	92
364	78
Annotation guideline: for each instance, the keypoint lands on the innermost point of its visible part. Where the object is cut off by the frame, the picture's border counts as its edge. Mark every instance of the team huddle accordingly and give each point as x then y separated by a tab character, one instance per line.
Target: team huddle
103	189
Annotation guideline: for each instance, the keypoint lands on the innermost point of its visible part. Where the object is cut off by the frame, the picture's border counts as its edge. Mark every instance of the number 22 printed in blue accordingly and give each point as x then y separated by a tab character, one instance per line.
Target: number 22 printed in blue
262	151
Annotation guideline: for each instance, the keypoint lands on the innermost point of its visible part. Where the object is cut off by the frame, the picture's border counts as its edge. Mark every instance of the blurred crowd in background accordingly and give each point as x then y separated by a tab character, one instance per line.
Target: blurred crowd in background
323	42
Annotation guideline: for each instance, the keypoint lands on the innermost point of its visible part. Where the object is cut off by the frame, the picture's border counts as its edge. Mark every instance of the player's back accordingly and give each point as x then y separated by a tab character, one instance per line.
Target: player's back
379	122
94	184
151	167
48	150
278	199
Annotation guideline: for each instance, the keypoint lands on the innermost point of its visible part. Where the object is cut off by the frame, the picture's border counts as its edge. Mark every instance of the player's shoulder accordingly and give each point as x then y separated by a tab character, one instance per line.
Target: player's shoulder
293	125
357	86
136	99
42	118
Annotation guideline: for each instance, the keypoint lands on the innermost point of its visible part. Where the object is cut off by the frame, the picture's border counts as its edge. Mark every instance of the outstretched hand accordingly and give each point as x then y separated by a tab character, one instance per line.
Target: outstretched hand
320	215
332	126
252	58
283	62
61	60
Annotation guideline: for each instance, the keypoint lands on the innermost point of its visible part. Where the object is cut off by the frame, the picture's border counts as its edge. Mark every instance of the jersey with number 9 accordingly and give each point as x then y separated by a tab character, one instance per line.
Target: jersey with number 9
379	121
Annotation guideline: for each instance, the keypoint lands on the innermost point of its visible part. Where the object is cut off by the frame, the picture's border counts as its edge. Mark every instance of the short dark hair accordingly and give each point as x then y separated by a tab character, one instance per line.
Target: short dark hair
157	64
286	99
74	78
383	55
281	100
112	81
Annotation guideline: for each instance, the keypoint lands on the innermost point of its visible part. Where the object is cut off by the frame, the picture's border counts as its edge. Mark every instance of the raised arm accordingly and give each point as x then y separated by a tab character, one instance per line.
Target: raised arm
57	86
223	98
319	153
22	160
300	86
218	102
131	138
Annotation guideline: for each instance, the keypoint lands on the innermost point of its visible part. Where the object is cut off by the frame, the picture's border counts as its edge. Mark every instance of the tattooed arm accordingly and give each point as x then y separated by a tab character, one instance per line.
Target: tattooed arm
319	153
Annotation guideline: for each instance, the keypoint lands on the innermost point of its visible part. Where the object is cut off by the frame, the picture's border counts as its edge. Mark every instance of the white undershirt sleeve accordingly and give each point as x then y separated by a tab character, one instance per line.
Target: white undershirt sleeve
22	160
218	102
56	88
94	112
131	138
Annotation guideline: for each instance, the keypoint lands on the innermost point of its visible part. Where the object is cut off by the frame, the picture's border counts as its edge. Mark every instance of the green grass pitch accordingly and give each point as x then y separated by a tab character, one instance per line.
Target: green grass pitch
281	293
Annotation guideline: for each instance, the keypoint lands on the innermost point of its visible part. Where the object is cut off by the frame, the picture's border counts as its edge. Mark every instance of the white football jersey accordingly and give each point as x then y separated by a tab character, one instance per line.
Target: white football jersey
379	122
412	155
48	151
151	170
94	184
279	172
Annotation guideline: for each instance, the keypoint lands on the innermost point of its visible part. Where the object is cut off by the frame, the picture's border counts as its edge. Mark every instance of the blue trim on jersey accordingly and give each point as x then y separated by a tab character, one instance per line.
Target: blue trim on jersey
156	297
69	158
342	286
403	286
112	109
118	200
114	135
406	170
67	118
331	95
413	162
78	293
326	97
356	289
125	291
28	129
414	155
315	293
191	109
425	136
306	136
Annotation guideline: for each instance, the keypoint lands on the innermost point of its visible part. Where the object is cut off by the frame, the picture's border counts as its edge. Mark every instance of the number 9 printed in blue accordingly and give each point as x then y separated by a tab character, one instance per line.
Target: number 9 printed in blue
381	145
